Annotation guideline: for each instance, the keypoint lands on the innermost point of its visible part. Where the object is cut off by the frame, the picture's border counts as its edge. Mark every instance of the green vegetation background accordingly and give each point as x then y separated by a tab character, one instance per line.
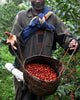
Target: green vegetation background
69	13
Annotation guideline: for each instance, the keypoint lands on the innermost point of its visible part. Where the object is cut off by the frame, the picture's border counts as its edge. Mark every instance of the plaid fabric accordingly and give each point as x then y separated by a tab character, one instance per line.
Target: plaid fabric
40	38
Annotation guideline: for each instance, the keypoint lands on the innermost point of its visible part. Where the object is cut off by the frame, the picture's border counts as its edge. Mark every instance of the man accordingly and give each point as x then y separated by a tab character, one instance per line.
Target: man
41	42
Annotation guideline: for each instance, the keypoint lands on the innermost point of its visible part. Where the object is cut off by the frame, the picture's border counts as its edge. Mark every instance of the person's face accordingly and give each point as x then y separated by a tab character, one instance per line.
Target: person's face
37	4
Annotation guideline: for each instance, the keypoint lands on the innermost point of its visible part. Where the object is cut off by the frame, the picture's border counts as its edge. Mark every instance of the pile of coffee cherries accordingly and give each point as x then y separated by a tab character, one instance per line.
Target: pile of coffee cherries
41	71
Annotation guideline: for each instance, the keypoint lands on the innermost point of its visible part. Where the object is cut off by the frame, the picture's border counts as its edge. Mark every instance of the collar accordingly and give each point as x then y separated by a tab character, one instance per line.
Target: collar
29	13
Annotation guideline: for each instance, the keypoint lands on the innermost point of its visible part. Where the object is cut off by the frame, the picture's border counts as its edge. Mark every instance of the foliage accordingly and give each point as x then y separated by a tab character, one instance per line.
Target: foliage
7	15
70	80
6	79
69	13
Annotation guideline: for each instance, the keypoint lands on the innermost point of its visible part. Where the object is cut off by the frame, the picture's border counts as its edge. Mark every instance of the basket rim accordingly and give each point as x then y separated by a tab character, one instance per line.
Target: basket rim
44	56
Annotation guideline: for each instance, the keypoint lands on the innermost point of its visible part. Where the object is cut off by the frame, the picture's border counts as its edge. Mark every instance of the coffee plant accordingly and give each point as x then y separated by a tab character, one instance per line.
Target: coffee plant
69	12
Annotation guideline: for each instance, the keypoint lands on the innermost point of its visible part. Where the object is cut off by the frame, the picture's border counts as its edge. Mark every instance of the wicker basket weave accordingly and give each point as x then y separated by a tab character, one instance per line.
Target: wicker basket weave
37	86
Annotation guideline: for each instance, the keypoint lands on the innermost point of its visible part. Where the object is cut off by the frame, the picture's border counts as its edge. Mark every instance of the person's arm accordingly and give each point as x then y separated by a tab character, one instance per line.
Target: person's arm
14	37
64	36
18	29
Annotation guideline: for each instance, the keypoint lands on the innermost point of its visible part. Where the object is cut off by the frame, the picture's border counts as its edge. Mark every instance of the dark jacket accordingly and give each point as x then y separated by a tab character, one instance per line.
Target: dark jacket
61	35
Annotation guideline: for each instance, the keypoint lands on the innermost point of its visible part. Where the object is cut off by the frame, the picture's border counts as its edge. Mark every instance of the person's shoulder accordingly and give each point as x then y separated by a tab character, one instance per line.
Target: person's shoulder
53	14
24	12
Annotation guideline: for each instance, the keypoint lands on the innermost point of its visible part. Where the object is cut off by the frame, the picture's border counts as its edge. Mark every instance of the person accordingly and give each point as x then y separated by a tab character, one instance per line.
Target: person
37	30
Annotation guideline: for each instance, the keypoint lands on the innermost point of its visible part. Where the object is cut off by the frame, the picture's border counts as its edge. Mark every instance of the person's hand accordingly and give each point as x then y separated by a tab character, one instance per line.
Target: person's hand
73	44
11	39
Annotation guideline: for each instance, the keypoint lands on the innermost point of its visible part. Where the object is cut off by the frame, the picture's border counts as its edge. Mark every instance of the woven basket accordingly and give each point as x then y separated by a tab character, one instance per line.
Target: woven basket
37	86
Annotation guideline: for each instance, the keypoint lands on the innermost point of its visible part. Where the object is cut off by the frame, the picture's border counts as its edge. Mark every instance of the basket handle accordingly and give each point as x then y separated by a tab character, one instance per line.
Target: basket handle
20	61
69	58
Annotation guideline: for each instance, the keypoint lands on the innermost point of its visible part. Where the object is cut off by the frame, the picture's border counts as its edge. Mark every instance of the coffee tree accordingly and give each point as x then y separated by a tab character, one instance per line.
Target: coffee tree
69	12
